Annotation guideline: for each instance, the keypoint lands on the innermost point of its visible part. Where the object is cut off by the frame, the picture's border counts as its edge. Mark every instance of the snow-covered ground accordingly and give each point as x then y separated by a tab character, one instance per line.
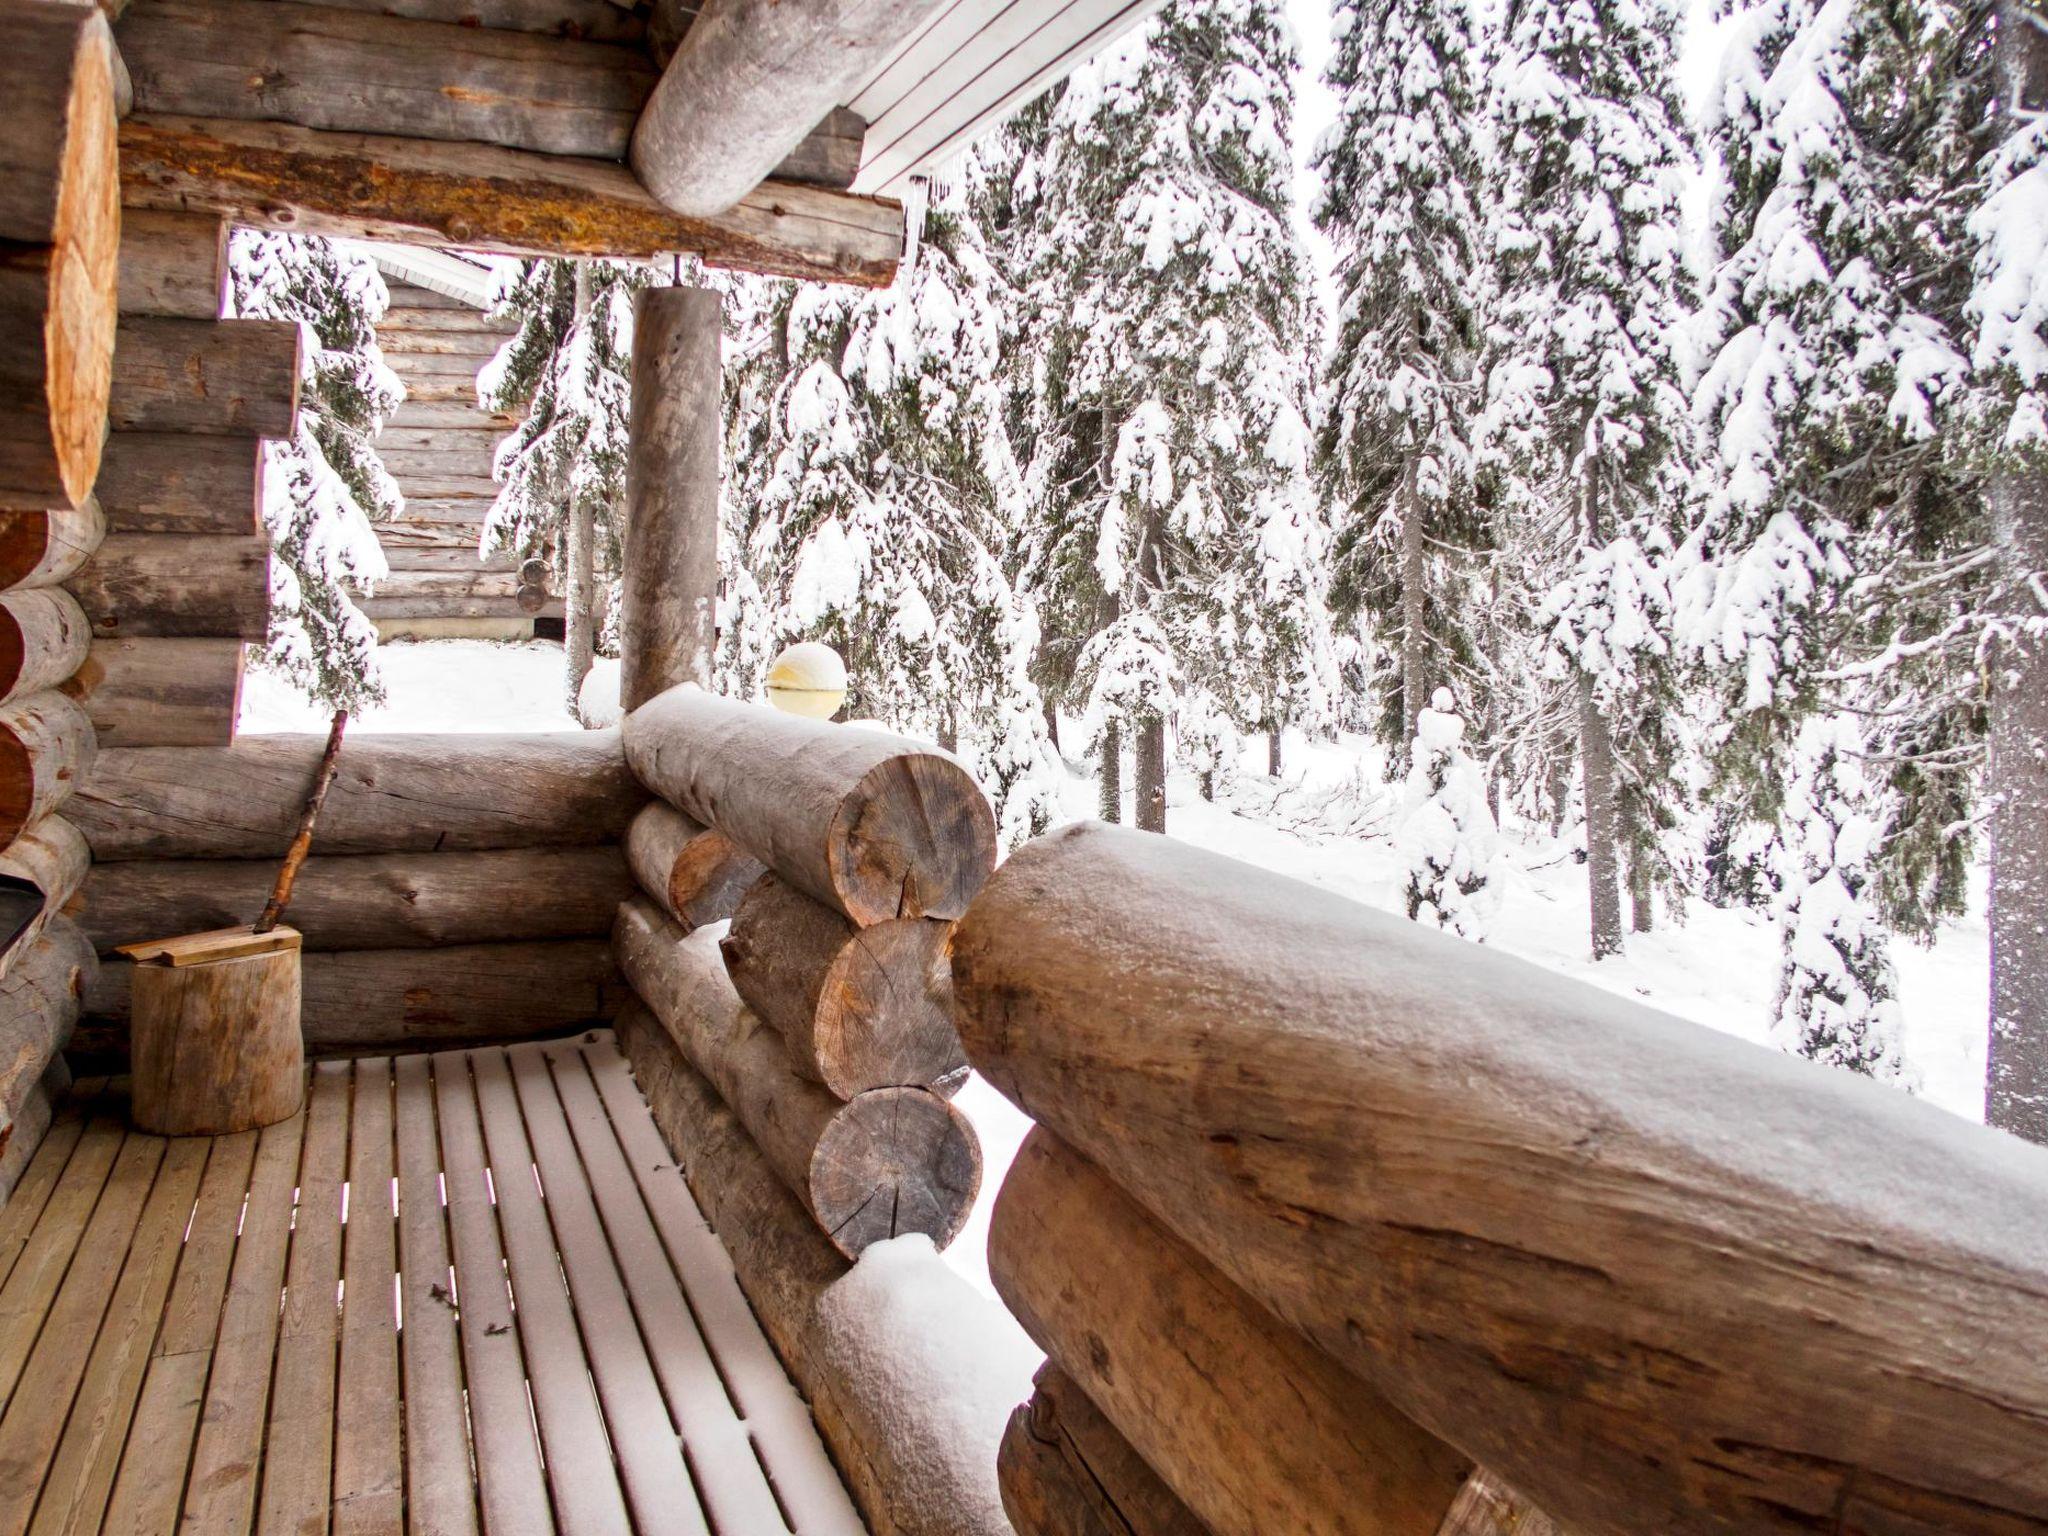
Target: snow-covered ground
1325	821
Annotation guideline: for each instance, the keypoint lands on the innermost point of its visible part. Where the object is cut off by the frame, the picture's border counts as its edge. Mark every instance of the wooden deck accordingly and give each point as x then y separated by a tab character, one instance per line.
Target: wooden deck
460	1292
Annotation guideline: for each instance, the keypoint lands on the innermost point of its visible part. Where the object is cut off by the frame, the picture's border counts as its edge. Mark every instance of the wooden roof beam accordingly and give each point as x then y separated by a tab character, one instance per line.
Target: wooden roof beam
482	197
747	83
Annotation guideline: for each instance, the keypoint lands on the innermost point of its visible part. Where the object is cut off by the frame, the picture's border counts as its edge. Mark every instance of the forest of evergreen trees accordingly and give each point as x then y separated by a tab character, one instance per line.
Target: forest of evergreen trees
1672	476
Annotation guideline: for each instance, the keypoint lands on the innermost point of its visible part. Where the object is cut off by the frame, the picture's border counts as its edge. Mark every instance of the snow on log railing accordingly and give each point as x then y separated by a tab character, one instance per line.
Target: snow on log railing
1653	1277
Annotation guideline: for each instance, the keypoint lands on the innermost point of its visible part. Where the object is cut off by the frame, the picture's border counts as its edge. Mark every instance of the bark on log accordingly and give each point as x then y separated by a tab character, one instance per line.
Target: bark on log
215	1045
39	1005
1067	1472
43	640
60	230
1241	1417
746	84
362	72
363	1001
173	264
235	378
191	586
876	825
893	1438
369	901
597	20
393	794
277	176
857	1008
52	857
893	1161
181	482
697	875
1637	1267
668	596
27	1121
161	693
46	749
42	549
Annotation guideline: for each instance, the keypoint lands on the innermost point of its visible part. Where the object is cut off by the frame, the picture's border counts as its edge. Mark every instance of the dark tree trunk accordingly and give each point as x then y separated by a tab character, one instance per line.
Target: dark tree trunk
1642	905
1208	782
1112	772
1596	765
949	735
1150	755
1414	639
1273	752
1052	723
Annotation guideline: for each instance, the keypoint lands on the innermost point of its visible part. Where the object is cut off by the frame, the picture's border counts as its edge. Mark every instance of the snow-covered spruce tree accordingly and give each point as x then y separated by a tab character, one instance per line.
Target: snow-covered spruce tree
324	485
563	468
1163	381
1446	837
1401	202
2008	311
1585	411
1837	998
871	495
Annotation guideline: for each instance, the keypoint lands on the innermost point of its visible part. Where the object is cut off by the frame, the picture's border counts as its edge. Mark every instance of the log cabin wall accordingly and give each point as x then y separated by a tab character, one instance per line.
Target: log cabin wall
440	445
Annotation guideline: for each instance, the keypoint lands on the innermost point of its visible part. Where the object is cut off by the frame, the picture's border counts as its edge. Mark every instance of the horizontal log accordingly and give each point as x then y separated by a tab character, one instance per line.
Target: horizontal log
480	440
892	1161
368	901
472	416
50	857
885	1404
391	794
1250	1426
43	640
830	155
505	605
857	1008
161	693
365	72
405	324
1065	1471
695	875
59	243
173	264
42	549
478	196
239	378
876	825
357	1001
210	586
46	749
1635	1266
181	482
598	20
449	557
39	1006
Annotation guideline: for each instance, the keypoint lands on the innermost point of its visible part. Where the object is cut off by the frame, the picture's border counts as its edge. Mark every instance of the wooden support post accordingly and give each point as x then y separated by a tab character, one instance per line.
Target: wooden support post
668	602
214	1046
1563	1188
875	825
696	874
857	1008
60	230
895	1160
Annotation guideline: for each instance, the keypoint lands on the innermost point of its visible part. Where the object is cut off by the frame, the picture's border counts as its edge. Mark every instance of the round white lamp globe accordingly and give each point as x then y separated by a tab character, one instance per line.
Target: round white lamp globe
808	679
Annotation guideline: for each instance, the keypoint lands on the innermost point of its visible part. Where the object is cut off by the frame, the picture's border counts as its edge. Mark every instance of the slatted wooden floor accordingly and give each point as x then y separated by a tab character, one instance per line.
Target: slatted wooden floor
461	1292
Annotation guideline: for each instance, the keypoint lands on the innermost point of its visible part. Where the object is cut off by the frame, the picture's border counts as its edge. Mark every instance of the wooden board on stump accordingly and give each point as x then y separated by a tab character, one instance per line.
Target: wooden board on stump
214	1045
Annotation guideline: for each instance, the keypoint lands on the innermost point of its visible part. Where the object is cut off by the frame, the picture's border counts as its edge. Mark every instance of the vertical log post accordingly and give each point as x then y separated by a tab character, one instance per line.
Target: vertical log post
669	597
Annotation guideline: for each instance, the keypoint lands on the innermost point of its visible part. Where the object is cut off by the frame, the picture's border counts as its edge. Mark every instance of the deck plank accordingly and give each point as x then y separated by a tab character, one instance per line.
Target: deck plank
220	1494
643	1437
732	1483
33	1283
779	1424
298	1446
588	1499
81	1475
49	1382
151	1479
369	1483
440	1499
513	1491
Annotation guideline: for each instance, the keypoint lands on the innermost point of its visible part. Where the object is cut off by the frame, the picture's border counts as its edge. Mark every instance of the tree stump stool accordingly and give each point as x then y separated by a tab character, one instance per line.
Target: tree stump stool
214	1042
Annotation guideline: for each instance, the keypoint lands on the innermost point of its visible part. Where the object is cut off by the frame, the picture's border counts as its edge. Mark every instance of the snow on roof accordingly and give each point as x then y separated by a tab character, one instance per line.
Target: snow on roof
472	279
